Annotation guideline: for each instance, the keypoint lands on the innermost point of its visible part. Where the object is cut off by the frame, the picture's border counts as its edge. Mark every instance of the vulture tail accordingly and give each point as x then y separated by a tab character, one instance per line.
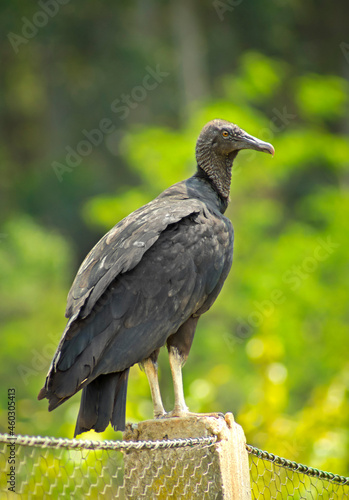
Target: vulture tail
103	400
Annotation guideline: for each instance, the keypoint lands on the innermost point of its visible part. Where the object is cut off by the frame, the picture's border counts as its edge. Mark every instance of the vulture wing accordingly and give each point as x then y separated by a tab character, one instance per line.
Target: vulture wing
121	249
139	284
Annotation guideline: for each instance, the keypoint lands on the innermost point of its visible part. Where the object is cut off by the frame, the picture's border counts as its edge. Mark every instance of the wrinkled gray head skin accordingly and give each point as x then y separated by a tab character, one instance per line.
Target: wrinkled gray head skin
218	144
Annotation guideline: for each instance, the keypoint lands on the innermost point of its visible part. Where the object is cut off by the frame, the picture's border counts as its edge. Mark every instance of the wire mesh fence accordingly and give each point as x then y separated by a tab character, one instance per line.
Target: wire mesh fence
178	468
62	468
274	477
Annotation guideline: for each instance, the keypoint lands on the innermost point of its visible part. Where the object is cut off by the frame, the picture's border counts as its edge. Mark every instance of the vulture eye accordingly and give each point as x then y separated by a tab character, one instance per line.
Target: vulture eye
225	133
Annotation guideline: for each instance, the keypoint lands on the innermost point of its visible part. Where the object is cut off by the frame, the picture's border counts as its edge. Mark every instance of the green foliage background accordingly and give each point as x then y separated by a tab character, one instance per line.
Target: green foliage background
274	348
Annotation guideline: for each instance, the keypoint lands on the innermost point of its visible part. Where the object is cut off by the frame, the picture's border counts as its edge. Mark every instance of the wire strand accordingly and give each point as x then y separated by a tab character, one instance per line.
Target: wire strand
297	467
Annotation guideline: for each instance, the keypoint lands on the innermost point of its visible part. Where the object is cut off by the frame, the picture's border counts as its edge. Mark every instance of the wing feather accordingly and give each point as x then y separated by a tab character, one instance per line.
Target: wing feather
179	275
121	249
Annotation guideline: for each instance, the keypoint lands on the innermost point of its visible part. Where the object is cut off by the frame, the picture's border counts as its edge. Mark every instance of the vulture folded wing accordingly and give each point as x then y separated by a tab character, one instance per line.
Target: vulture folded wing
121	249
181	274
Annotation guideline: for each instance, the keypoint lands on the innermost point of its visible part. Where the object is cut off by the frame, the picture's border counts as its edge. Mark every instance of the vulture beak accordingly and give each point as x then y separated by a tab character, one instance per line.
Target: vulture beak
247	141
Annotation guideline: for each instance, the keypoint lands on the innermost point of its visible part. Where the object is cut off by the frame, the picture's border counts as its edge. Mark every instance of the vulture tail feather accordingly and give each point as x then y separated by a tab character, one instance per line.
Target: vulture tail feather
103	400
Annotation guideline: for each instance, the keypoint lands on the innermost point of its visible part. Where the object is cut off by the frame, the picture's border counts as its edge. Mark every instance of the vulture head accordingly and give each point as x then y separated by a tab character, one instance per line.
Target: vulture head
217	146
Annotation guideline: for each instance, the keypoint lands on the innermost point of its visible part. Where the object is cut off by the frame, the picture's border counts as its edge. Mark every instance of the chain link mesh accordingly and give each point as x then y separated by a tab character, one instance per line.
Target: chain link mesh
62	468
178	468
274	477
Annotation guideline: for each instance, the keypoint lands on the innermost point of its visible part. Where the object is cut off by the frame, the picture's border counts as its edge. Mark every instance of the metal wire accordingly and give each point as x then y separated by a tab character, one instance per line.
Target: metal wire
179	468
61	468
297	467
49	442
274	477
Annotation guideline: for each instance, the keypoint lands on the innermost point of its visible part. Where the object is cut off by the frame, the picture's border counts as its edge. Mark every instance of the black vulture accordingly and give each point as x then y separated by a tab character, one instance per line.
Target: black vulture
145	284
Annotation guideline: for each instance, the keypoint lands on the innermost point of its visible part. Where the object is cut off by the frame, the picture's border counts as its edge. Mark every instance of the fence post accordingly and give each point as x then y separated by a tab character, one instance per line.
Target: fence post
219	471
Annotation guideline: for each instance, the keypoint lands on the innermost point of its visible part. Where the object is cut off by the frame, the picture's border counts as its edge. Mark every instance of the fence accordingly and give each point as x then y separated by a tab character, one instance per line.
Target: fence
276	477
167	468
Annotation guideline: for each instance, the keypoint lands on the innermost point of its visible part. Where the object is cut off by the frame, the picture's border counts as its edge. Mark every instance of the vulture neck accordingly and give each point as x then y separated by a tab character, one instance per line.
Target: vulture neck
216	169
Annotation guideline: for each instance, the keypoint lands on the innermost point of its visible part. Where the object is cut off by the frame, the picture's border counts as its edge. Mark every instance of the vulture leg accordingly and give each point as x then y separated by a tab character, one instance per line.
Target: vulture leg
176	363
178	346
150	367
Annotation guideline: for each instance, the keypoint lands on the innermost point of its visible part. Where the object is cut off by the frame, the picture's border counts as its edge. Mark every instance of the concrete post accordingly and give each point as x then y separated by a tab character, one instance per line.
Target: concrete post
218	471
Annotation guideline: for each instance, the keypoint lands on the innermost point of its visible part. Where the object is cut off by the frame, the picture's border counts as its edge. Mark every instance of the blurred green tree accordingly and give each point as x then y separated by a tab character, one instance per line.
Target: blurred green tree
275	364
281	72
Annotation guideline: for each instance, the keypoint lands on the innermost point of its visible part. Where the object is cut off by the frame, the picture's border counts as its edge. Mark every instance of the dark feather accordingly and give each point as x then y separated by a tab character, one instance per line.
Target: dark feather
102	401
147	280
